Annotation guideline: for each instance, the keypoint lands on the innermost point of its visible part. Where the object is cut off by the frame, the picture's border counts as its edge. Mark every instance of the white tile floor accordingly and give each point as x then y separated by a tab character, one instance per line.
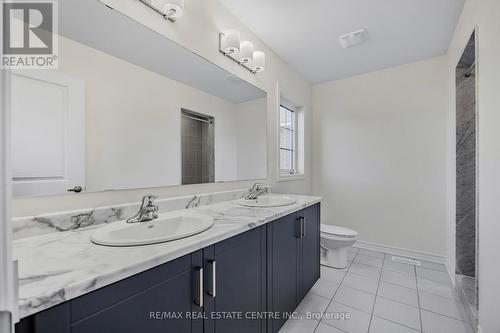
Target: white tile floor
382	296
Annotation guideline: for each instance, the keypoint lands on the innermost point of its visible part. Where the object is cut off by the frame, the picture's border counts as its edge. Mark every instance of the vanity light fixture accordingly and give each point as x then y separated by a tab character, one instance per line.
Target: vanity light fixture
170	9
230	42
246	52
259	61
241	52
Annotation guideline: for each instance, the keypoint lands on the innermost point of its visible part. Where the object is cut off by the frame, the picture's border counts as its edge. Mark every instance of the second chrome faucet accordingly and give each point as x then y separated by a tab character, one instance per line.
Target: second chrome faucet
147	212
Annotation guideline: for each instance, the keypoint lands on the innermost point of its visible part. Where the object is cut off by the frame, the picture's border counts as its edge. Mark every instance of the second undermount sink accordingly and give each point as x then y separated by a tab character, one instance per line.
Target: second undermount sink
167	227
268	201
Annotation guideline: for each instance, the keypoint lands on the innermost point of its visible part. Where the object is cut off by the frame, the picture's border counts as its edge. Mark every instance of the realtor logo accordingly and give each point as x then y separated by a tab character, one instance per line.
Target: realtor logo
28	31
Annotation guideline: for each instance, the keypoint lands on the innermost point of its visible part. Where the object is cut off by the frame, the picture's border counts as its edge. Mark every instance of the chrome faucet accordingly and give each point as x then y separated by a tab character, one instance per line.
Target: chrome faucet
256	191
147	212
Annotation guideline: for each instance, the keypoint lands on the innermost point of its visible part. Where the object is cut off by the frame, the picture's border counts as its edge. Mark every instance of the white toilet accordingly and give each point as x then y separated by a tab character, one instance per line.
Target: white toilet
335	241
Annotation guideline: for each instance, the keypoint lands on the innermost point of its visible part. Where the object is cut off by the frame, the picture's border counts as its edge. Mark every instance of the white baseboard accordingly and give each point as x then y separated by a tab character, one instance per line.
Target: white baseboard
402	252
450	268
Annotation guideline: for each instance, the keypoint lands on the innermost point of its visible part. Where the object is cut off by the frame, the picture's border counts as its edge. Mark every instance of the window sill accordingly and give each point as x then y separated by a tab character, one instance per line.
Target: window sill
287	177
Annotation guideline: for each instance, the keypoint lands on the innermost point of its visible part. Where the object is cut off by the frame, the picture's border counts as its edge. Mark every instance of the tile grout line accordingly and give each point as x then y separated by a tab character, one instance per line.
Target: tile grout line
418	300
335	293
316	327
447	316
338	329
398	324
435	295
376	293
361	290
397	285
418	306
396	301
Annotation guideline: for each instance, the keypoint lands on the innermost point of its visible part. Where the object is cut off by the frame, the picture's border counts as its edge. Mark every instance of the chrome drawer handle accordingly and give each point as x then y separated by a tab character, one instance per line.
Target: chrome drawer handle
198	299
302	227
212	291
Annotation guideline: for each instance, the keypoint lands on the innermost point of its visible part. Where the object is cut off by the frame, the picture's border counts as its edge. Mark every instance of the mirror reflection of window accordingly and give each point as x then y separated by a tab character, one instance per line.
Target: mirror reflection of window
198	148
287	140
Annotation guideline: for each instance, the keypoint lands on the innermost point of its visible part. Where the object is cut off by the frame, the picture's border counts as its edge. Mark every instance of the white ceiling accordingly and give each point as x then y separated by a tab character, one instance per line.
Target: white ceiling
305	33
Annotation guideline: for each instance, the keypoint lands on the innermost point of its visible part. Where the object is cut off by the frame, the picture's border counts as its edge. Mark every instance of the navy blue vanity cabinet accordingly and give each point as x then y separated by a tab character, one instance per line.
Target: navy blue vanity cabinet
168	295
141	303
293	262
235	284
309	249
283	268
53	320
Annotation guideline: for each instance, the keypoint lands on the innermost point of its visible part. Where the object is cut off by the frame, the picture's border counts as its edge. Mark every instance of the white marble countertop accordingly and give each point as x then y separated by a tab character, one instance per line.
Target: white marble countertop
57	267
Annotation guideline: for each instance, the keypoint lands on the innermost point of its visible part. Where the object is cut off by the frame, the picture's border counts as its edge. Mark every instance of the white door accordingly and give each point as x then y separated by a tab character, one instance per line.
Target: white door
48	132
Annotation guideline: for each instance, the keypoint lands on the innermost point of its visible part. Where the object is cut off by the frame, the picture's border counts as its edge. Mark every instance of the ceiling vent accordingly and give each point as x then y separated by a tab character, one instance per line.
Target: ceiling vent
353	38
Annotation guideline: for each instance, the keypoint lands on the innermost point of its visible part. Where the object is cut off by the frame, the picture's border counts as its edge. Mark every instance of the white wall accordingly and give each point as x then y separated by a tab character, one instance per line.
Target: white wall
198	31
133	122
484	14
252	138
379	155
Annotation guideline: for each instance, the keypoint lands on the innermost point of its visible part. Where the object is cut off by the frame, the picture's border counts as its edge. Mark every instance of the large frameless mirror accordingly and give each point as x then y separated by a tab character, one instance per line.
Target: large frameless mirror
128	108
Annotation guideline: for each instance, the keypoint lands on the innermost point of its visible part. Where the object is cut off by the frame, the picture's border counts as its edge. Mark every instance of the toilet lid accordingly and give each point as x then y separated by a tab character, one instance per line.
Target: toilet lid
338	231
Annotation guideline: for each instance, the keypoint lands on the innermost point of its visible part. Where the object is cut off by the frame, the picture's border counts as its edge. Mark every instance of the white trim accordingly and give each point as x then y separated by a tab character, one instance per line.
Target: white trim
450	268
286	178
401	252
283	99
295	152
479	329
8	281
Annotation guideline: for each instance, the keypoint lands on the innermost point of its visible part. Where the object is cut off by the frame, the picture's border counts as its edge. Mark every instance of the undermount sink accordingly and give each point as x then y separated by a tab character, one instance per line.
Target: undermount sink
167	227
268	201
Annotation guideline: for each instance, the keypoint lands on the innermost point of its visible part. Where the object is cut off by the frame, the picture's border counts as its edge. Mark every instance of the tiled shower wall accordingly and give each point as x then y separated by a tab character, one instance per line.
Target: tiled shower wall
466	221
197	150
466	164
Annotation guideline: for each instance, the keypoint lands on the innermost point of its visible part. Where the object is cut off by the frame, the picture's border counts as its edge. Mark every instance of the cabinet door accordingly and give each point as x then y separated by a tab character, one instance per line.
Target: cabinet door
309	249
53	320
235	282
162	307
283	268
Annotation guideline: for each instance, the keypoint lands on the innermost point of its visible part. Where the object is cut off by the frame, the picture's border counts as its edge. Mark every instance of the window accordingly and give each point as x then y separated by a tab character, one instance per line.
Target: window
288	140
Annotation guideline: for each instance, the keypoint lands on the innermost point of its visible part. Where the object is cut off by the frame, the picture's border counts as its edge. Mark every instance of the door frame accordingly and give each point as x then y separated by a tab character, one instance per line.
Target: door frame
8	282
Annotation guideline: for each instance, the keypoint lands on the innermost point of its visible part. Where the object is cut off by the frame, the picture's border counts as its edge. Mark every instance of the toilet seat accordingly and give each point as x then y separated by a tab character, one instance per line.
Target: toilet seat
338	231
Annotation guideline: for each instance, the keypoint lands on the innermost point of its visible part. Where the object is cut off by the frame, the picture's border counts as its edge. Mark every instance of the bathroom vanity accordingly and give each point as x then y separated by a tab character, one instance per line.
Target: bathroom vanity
242	275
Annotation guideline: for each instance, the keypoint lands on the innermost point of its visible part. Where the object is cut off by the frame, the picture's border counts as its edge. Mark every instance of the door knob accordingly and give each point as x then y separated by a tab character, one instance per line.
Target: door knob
76	189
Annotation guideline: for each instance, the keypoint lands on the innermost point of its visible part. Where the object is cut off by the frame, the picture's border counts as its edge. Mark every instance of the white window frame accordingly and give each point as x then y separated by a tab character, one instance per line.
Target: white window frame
294	131
299	153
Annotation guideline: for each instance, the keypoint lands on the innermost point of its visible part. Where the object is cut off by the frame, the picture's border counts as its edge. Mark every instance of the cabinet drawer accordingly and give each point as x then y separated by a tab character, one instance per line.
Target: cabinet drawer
147	311
100	299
